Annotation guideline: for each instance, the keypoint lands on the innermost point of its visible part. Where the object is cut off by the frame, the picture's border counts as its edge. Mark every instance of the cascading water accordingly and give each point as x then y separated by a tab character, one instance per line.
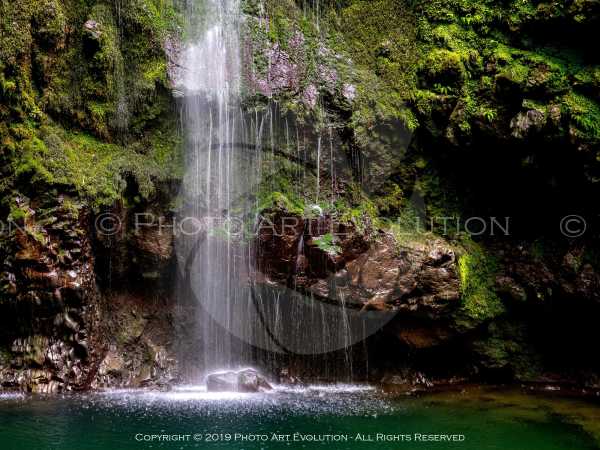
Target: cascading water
218	175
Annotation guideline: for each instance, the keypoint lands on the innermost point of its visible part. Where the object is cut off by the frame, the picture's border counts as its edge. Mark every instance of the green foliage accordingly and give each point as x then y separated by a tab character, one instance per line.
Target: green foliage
588	79
278	200
380	37
357	209
439	197
17	214
327	243
477	270
77	118
390	200
515	73
444	90
96	170
444	65
489	114
585	113
280	187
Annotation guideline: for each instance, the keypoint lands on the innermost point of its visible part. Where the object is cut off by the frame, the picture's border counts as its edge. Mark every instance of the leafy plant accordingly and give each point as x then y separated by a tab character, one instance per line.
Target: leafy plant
444	90
489	114
328	244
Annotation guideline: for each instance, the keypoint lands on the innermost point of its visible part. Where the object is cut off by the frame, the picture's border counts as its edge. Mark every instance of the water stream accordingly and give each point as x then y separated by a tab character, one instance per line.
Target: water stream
221	171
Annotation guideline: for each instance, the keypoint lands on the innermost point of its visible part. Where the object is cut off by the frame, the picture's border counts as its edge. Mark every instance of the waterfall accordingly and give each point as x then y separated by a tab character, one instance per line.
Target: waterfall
219	174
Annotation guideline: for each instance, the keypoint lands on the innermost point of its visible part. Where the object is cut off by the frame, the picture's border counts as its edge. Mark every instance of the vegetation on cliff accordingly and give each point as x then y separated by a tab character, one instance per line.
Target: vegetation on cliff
86	103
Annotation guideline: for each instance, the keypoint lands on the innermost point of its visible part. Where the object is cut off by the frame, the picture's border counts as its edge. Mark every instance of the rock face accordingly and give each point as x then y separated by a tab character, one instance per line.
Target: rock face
247	380
59	329
50	309
288	249
420	280
140	342
369	273
140	248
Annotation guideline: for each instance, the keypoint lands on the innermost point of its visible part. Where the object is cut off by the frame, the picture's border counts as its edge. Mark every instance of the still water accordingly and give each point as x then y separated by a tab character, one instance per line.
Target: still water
340	416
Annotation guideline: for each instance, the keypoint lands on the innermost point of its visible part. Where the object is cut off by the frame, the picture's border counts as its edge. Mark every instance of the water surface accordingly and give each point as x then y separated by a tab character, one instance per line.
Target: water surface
341	416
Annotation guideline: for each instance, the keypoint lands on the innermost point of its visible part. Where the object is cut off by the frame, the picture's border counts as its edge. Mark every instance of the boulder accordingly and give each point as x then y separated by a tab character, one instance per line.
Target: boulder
526	122
246	380
222	382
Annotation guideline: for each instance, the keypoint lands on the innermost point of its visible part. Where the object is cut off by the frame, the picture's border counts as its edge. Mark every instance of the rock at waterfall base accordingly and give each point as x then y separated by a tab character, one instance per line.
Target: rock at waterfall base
247	380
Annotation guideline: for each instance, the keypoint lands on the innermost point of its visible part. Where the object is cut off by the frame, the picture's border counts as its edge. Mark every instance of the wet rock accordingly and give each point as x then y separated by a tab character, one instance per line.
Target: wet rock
289	251
420	334
173	47
407	378
247	380
525	123
222	382
421	280
49	353
508	287
41	279
49	387
285	377
153	249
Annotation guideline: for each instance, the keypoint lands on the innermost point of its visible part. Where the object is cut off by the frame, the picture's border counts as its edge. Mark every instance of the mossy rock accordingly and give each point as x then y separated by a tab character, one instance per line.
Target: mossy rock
479	302
445	67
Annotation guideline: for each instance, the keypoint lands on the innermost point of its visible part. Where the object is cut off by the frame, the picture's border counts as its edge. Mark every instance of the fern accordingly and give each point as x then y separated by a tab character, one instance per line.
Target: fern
489	114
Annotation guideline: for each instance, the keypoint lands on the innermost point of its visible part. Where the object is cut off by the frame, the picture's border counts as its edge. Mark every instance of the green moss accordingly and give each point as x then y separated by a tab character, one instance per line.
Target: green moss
515	73
408	229
445	66
588	79
279	200
585	114
94	169
77	118
380	34
17	214
357	209
479	303
380	37
390	200
281	188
